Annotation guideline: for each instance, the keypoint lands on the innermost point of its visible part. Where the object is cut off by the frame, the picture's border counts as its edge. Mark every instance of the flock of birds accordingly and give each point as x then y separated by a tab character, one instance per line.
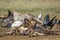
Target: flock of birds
27	24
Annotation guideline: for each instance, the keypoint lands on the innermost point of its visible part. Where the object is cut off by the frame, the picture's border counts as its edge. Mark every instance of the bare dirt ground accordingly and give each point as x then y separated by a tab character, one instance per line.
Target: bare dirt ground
19	37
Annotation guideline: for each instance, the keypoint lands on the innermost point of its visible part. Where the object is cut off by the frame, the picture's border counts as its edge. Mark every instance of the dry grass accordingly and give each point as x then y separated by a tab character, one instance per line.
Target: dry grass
34	6
31	38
